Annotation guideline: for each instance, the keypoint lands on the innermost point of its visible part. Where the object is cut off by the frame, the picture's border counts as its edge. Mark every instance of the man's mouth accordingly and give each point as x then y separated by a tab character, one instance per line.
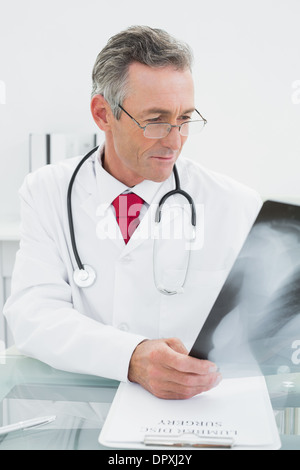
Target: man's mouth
164	158
167	157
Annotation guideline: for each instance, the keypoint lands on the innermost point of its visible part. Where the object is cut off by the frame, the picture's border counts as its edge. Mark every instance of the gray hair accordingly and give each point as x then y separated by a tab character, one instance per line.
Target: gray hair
153	47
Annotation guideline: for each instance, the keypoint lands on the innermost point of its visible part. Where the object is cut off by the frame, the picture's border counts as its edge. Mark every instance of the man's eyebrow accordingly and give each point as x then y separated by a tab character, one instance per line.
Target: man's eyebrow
163	111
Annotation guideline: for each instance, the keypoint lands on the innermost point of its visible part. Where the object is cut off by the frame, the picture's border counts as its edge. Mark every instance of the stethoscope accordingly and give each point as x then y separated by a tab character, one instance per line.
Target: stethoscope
84	275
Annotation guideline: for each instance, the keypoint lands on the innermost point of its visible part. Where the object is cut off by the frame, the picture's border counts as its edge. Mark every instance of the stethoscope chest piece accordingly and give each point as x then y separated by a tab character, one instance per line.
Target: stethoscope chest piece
84	277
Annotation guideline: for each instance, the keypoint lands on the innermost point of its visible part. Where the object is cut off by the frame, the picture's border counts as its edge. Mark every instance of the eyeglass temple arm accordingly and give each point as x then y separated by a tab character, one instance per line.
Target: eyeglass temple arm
203	119
121	107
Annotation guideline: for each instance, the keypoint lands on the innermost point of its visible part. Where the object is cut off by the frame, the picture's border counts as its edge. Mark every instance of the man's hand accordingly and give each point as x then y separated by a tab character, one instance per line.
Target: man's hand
164	368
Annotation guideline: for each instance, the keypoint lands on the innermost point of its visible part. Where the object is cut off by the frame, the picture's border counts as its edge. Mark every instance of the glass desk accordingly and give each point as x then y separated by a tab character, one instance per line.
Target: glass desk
29	389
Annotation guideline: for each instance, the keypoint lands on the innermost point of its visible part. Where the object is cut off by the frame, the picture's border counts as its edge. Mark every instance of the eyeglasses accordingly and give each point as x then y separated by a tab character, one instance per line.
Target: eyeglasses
160	130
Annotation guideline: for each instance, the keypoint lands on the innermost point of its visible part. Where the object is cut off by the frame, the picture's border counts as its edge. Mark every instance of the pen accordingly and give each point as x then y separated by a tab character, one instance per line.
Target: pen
29	423
190	440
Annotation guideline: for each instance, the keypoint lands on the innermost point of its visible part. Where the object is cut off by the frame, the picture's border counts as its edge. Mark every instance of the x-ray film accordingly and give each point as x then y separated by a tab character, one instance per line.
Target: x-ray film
255	321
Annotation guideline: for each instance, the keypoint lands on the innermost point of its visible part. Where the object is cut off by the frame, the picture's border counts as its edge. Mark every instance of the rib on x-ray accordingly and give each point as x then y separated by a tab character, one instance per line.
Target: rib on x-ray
255	321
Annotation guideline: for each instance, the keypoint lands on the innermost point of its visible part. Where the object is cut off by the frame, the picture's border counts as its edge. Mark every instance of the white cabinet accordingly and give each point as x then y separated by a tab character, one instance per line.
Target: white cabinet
9	244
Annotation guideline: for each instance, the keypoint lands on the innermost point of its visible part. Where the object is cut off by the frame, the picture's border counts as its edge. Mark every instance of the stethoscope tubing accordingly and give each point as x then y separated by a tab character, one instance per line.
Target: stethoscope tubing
180	191
69	206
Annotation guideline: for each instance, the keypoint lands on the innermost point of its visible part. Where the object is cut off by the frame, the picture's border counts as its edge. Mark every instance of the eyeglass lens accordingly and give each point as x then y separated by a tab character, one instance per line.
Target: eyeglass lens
158	131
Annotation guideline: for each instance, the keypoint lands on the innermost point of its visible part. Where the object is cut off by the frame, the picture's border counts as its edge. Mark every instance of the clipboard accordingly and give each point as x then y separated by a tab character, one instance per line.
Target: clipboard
237	410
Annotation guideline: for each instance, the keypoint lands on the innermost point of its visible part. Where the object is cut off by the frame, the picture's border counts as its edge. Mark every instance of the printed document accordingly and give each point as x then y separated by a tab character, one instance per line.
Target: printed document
238	408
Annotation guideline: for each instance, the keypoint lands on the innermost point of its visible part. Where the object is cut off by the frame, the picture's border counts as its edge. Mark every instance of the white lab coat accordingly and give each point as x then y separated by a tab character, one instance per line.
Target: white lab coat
95	330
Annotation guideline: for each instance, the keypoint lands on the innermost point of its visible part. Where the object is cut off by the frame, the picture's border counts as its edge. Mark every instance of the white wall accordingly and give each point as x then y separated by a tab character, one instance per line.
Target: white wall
247	77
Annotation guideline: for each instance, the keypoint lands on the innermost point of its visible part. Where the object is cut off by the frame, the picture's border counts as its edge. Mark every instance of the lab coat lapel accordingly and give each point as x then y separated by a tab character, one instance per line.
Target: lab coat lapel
86	190
99	212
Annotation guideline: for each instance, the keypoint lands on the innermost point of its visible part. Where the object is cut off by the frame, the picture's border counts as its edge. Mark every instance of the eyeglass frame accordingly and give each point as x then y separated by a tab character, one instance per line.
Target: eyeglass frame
171	125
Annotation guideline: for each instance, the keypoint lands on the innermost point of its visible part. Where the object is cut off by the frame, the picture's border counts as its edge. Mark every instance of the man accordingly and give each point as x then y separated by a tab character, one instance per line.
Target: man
122	326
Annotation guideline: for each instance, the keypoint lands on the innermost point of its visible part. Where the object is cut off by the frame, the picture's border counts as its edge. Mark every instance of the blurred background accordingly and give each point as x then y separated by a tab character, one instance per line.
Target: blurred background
247	80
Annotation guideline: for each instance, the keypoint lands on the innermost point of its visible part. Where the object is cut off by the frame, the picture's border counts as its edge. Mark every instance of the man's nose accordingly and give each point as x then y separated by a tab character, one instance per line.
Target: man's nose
173	140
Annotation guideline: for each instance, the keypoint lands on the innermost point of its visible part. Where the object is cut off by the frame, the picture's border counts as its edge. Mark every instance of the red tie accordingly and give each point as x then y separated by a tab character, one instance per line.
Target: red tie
128	207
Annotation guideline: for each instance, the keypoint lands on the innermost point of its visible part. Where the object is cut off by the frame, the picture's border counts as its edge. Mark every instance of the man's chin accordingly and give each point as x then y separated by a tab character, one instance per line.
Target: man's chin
162	175
162	169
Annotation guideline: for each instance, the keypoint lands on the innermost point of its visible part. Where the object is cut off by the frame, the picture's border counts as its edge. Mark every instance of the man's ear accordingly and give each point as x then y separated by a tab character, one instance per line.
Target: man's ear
101	112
